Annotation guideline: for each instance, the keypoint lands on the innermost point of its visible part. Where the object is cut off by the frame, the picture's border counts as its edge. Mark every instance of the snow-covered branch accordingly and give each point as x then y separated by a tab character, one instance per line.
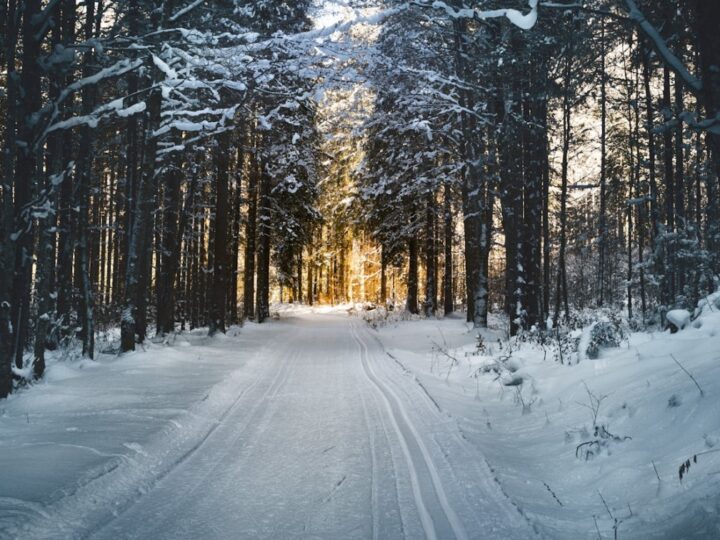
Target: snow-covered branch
660	45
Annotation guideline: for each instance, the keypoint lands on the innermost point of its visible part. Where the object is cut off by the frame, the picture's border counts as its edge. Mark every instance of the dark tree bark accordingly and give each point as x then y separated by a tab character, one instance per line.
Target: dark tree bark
704	22
547	254
7	249
602	232
561	293
82	194
221	258
412	278
430	304
250	242
47	223
679	194
299	281
27	169
311	272
137	263
233	293
448	301
263	256
534	171
669	177
383	275
174	223
512	155
652	152
6	375
471	181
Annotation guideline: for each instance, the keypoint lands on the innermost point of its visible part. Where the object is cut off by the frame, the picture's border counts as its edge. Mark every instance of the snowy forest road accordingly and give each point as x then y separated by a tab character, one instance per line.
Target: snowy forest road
317	433
334	441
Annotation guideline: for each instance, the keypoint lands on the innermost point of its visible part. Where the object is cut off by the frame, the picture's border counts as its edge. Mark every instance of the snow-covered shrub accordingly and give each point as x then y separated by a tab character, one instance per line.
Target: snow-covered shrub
566	346
379	316
677	319
584	335
605	334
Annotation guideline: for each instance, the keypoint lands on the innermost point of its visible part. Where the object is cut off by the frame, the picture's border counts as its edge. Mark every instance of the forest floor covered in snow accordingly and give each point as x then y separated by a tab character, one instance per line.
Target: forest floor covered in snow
586	448
61	437
321	425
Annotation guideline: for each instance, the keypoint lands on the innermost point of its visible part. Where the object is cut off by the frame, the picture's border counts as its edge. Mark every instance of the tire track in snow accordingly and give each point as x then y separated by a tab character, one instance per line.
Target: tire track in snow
416	455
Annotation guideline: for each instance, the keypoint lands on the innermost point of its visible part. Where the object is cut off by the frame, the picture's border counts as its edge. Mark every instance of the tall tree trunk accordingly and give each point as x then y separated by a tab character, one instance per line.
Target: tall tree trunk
311	272
481	303
448	300
704	22
383	275
561	294
7	216
534	171
137	262
640	194
27	169
7	249
471	181
82	194
656	227
221	268
669	177
263	257
512	198
299	281
602	233
250	241
174	219
412	278
48	222
233	299
430	304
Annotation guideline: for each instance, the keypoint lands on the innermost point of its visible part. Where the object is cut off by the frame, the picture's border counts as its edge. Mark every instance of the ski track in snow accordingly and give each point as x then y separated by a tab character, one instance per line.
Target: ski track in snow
330	439
415	452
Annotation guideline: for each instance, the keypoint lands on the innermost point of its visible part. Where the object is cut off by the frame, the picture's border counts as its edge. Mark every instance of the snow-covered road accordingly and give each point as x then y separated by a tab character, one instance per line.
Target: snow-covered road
318	426
330	440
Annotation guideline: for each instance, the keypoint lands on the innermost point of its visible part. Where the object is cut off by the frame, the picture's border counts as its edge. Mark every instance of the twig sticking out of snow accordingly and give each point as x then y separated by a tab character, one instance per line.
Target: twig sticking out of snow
656	471
616	521
594	403
702	394
453	360
552	493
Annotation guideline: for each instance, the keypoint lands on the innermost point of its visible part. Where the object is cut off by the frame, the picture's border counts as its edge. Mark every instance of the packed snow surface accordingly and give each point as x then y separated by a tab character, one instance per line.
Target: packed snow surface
320	425
299	428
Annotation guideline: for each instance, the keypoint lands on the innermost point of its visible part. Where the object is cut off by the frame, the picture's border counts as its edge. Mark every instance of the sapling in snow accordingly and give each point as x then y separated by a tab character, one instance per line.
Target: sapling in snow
601	437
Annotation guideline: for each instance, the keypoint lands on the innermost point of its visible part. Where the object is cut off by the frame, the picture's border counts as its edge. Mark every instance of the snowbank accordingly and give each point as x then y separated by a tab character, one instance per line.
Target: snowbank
591	447
89	437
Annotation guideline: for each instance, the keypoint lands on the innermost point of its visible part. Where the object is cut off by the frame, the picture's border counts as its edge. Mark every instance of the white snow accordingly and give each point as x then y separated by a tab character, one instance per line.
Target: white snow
530	433
680	318
318	426
302	427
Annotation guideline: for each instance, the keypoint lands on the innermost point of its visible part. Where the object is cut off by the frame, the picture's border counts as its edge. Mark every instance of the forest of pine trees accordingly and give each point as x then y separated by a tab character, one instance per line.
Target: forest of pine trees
175	164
